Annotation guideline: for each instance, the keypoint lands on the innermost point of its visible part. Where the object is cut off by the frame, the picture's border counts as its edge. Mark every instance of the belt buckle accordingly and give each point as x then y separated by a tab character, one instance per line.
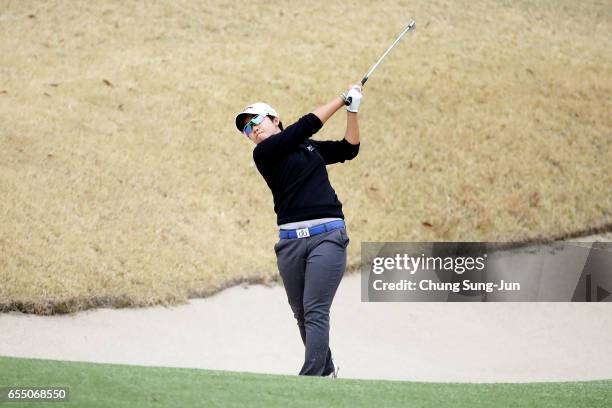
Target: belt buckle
302	233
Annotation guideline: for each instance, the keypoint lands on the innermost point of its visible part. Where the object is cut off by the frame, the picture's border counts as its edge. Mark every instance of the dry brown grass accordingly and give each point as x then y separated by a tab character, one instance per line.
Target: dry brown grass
124	182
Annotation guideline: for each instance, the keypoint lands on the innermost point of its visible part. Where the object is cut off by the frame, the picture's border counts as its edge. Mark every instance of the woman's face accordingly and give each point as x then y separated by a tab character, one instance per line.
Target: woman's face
264	130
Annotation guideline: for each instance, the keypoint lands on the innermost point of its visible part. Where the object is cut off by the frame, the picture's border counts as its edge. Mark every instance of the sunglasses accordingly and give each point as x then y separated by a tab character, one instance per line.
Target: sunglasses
248	128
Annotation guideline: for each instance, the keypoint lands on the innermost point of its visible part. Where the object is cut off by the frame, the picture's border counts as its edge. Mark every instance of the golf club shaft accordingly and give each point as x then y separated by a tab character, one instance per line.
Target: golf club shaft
409	27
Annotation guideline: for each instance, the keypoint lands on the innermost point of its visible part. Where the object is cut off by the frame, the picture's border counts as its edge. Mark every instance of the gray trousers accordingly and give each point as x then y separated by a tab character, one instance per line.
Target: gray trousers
311	269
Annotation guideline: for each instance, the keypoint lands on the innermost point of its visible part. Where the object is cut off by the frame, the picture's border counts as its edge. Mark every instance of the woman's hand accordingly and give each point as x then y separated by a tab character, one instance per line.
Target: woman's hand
354	95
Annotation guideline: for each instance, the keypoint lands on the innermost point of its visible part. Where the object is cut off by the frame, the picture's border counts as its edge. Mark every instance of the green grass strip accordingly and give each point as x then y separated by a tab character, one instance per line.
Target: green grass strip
110	385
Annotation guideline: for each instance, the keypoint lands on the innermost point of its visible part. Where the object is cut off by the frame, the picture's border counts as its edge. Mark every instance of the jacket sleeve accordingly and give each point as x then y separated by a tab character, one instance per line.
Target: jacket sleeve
280	144
336	151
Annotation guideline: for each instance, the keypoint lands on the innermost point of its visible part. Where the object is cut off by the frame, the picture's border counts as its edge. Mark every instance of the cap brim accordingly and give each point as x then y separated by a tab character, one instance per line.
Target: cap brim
240	120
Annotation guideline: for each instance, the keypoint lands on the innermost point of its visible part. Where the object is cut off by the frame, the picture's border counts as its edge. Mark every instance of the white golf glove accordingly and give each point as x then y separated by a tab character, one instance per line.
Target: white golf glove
355	94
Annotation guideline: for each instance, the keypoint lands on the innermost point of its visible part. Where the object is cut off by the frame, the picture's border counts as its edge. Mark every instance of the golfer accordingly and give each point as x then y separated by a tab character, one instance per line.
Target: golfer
311	251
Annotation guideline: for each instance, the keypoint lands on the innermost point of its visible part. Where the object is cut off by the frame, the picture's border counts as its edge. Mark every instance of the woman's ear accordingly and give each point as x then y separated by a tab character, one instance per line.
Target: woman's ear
275	121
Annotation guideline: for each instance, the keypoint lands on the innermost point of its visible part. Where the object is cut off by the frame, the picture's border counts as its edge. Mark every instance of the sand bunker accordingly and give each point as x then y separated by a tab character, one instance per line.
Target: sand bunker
250	328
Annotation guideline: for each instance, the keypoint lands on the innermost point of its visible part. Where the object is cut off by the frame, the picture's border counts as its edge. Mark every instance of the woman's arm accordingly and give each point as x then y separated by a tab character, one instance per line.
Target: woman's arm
352	128
276	146
347	148
326	111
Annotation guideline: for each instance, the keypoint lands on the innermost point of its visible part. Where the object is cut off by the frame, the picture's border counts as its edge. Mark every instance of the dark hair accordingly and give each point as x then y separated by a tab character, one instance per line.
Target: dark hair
280	124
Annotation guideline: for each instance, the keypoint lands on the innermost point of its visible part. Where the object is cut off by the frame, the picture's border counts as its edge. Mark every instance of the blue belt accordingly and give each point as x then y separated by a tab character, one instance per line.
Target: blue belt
309	232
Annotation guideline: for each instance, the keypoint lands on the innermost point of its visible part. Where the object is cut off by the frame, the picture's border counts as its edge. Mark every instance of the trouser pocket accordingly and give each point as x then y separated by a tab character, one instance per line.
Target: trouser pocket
345	237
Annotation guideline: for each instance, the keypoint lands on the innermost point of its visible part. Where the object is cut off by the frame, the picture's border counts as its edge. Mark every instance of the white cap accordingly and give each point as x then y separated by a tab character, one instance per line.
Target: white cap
258	108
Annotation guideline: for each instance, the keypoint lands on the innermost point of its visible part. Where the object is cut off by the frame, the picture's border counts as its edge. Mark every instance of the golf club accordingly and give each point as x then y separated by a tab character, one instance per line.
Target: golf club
409	27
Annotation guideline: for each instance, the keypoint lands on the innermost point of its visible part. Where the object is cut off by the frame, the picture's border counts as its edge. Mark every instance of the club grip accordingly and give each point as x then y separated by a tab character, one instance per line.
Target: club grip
348	100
